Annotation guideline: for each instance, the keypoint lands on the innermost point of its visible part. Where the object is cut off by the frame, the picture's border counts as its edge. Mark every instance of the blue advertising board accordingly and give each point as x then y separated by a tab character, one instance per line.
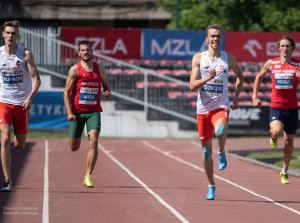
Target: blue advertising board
48	111
173	44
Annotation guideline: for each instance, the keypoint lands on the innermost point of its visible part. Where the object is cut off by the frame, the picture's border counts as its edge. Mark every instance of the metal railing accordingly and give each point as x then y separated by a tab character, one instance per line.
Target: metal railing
128	82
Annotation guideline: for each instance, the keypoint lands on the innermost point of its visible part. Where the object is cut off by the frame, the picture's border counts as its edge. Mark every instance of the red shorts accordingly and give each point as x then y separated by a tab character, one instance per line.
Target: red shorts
206	122
15	115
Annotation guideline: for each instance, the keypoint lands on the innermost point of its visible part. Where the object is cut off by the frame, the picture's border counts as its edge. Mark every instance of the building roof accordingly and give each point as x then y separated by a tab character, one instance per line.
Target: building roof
83	10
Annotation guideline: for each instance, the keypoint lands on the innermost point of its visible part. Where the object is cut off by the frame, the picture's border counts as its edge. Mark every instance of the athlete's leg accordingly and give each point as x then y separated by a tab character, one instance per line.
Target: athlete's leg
5	150
221	126
288	149
276	128
75	131
93	151
74	143
208	161
20	140
20	124
93	126
205	130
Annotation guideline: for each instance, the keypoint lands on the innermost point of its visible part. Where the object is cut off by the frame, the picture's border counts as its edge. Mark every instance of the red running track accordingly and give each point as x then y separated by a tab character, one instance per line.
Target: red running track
144	181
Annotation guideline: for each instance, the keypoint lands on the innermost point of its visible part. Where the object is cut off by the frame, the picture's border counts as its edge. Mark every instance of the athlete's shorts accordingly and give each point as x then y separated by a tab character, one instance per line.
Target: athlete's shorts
92	120
288	117
15	115
206	122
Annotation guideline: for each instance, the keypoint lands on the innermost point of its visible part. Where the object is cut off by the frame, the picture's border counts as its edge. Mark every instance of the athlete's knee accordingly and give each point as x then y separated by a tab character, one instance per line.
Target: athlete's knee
20	145
206	153
5	140
220	132
288	141
74	146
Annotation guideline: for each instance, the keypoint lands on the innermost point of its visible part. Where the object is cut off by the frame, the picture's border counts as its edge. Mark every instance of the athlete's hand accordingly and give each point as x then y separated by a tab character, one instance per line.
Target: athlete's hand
71	118
235	104
212	73
106	94
256	102
26	104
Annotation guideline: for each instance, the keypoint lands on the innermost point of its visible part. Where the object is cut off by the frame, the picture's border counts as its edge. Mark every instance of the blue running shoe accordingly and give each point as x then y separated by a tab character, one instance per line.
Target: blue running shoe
211	192
222	162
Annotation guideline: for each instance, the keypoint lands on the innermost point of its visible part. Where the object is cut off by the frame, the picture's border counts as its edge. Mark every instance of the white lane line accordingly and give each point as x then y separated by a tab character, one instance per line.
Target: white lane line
46	185
171	209
218	177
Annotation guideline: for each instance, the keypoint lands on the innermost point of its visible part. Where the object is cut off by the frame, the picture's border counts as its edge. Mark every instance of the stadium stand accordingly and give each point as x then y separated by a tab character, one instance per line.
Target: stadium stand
176	94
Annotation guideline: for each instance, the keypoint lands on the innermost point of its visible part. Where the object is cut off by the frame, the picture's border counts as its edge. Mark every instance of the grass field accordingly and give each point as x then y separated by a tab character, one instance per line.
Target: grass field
44	134
276	158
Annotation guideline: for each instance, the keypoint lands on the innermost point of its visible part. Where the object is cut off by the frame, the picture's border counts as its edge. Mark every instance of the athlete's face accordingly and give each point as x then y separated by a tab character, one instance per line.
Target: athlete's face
85	52
10	35
214	38
285	48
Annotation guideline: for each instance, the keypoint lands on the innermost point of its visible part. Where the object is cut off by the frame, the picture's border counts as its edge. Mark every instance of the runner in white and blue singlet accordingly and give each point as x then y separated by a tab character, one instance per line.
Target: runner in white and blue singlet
17	68
210	77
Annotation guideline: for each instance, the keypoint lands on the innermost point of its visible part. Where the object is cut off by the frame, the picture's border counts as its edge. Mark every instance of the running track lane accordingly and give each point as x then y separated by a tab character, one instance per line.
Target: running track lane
25	203
148	181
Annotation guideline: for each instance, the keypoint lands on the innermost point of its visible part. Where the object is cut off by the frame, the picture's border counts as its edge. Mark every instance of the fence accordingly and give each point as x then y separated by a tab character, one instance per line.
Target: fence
162	91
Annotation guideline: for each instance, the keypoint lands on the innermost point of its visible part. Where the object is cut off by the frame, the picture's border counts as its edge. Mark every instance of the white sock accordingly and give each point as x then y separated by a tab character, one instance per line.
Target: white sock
283	170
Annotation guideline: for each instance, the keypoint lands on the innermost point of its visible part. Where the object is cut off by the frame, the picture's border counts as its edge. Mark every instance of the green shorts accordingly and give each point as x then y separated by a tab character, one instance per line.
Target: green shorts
92	120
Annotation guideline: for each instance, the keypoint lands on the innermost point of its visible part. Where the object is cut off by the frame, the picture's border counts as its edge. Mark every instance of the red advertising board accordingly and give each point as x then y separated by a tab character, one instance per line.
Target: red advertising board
257	46
117	43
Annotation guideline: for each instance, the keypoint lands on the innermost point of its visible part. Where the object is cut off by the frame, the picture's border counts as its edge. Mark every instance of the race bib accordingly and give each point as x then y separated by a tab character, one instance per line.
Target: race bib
283	81
214	87
88	96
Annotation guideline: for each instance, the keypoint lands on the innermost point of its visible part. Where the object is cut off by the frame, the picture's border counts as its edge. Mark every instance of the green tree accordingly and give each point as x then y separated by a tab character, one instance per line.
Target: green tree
242	15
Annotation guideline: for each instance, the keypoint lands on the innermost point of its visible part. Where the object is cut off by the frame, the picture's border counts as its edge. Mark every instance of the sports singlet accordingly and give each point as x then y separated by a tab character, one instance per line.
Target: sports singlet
284	84
85	93
214	94
15	79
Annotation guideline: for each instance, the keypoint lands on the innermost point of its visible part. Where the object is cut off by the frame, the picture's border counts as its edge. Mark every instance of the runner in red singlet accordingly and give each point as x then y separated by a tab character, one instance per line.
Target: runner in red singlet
83	88
285	75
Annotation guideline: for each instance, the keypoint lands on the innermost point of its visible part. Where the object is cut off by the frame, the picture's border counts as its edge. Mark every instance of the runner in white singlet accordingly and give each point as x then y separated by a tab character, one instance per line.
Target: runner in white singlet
17	68
210	77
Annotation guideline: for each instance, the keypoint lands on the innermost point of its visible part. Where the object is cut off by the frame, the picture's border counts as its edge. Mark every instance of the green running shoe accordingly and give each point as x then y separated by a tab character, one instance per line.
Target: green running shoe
273	143
87	181
7	187
284	178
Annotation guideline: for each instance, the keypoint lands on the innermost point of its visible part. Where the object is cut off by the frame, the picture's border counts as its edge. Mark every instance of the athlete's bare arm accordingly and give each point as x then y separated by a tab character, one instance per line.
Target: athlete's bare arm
28	57
258	79
239	81
298	73
196	83
106	92
72	75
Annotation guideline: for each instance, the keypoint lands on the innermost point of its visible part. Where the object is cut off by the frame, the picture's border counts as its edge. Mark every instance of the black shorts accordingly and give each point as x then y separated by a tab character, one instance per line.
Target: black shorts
288	117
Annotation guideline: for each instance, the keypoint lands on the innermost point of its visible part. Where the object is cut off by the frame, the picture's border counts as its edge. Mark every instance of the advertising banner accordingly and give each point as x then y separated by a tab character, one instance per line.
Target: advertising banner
257	46
117	43
48	111
248	120
173	44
